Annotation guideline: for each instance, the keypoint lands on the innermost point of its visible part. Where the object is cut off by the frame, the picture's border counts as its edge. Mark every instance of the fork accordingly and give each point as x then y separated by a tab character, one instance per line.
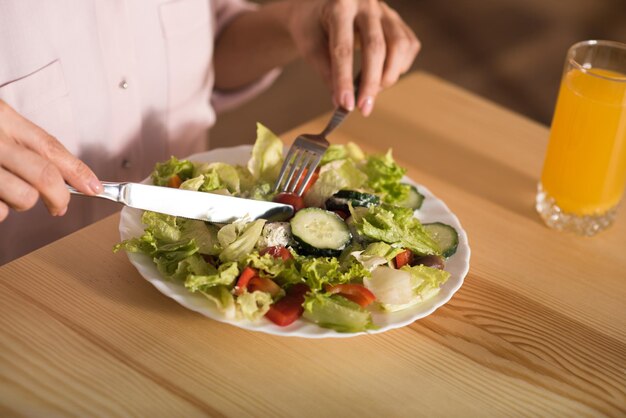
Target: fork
306	153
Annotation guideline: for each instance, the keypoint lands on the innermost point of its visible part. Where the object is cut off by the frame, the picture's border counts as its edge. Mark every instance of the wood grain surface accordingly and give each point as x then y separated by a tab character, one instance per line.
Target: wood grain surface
538	328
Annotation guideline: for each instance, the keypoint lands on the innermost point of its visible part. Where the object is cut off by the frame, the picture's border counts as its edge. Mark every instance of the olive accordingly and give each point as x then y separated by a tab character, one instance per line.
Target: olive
429	261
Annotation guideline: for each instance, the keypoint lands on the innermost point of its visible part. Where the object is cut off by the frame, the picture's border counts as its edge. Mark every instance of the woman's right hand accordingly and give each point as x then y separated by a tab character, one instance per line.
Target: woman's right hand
33	165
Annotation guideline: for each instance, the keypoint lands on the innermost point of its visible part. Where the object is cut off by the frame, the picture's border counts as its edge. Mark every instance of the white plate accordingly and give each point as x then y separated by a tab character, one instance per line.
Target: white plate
432	210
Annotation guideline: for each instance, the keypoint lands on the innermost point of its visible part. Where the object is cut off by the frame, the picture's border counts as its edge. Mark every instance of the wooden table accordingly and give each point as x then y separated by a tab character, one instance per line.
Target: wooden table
538	328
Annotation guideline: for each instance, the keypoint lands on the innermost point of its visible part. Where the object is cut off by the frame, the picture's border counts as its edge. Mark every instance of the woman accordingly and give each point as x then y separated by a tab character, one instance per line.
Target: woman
104	89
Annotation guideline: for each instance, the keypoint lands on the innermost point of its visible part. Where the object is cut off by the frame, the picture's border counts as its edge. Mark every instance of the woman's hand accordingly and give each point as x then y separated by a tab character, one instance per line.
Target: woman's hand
326	33
34	164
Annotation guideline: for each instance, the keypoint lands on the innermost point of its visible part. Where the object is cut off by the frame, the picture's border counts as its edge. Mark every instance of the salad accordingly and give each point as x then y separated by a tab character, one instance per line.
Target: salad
354	245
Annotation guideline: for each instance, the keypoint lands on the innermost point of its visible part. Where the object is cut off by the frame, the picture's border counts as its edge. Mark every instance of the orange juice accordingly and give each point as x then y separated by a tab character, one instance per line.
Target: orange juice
585	166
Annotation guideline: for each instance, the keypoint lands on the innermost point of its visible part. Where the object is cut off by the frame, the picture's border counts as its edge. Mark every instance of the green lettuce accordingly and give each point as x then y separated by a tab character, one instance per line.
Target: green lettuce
318	271
203	234
267	155
223	300
238	239
383	177
336	312
395	225
254	305
340	152
334	176
226	274
279	270
163	172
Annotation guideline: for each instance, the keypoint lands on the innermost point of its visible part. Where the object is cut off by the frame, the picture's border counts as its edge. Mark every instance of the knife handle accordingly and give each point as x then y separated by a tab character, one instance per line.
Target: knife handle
111	191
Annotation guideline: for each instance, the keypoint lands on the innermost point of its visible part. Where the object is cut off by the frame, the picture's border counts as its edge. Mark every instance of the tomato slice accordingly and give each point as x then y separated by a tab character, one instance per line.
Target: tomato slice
277	251
244	278
263	284
289	308
290	199
354	292
405	257
175	181
312	180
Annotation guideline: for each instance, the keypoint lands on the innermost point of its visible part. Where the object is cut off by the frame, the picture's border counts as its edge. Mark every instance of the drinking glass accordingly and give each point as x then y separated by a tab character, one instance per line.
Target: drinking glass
584	171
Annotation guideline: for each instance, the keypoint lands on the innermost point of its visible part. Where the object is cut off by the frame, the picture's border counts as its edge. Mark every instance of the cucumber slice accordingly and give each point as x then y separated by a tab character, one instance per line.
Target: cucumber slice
414	200
341	199
445	236
320	232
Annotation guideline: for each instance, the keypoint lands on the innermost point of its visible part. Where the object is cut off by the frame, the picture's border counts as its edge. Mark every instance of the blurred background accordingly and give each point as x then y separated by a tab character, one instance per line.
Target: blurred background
508	51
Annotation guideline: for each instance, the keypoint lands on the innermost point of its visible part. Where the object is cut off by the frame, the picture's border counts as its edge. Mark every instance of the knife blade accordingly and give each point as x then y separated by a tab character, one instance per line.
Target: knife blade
204	206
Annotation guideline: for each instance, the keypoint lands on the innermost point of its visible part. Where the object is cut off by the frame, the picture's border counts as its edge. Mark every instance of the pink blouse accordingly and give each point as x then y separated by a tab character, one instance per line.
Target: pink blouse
121	83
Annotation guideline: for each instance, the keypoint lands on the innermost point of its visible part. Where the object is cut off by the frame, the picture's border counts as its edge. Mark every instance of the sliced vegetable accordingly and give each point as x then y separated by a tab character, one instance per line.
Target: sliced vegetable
344	198
414	199
445	236
355	292
244	278
290	199
434	261
286	310
336	312
174	181
264	284
277	251
320	232
405	257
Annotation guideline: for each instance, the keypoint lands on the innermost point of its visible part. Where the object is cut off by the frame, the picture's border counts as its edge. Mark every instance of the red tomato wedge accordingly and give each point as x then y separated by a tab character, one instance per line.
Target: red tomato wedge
263	284
312	180
244	278
175	181
405	257
290	199
277	251
289	308
355	292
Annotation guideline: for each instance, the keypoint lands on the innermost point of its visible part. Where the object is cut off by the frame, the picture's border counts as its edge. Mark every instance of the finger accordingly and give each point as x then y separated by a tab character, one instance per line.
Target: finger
414	48
26	176
373	59
4	211
73	170
398	48
341	47
16	193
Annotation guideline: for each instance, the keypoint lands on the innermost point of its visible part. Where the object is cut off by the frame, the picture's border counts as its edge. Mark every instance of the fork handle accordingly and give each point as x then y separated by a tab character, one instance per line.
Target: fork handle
110	191
341	112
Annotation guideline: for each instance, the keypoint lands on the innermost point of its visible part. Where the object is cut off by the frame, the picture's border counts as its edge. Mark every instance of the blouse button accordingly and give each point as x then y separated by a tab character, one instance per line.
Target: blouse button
124	84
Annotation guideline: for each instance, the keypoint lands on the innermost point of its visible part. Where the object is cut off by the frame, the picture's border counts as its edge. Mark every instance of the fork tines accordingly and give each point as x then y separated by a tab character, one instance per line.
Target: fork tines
302	159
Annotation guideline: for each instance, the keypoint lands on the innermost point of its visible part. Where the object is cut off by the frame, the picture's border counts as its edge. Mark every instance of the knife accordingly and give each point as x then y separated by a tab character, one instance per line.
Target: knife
204	206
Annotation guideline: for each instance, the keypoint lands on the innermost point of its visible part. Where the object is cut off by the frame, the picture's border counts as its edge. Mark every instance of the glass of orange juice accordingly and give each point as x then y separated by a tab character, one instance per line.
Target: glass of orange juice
584	172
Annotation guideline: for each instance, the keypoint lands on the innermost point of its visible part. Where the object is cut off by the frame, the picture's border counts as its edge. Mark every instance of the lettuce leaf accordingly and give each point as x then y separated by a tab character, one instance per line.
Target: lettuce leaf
267	155
238	239
340	152
334	176
223	300
383	177
318	271
204	235
164	171
226	274
336	312
279	270
397	226
254	305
